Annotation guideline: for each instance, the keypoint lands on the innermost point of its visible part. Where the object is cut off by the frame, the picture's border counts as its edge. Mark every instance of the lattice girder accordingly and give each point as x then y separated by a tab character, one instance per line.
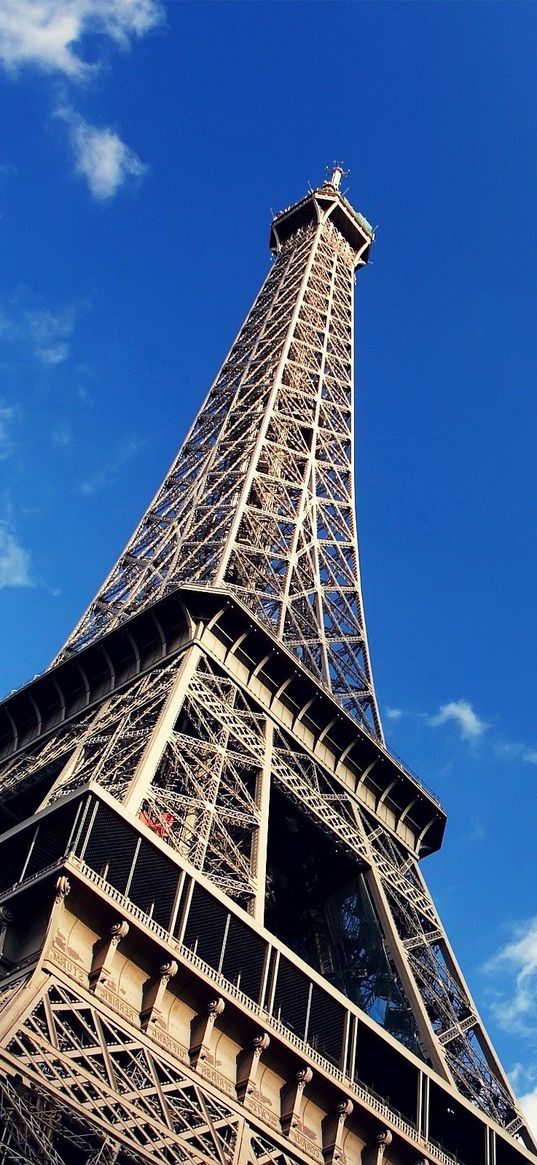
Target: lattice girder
261	495
196	757
252	717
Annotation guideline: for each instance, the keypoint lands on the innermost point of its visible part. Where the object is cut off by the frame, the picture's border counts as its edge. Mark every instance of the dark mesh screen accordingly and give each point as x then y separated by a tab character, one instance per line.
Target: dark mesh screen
455	1129
381	1068
52	838
13	853
326	1025
206	927
244	957
507	1154
153	884
111	848
291	998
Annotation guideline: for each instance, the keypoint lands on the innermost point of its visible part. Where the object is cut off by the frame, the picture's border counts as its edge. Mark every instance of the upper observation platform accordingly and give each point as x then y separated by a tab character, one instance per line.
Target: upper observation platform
325	204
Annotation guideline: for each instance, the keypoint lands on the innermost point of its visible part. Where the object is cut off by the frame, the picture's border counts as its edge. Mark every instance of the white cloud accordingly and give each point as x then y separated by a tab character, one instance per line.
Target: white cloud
528	1104
463	715
49	333
45	333
48	34
530	756
394	713
53	36
522	1078
100	156
14	560
515	1004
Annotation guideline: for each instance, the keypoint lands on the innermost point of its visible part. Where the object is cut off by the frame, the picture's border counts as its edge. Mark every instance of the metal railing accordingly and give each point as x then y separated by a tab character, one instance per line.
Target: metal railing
360	1090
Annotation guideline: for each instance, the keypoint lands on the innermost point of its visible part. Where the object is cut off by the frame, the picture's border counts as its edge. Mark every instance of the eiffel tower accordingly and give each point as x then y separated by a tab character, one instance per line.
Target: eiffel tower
216	944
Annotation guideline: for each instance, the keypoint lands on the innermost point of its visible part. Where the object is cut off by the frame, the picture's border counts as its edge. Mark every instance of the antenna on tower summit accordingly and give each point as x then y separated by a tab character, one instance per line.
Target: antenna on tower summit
335	173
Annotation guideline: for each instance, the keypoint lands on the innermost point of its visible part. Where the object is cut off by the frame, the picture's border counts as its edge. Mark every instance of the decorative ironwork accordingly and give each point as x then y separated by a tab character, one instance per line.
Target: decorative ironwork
260	498
217	803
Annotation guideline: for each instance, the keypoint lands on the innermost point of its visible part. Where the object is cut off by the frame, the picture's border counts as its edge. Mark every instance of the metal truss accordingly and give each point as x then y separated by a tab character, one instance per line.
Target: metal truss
201	785
457	1026
205	800
203	795
258	503
189	752
104	744
104	1091
260	498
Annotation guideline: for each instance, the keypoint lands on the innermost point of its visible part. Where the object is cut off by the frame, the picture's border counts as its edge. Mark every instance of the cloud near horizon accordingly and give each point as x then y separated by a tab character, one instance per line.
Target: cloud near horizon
528	1104
513	1003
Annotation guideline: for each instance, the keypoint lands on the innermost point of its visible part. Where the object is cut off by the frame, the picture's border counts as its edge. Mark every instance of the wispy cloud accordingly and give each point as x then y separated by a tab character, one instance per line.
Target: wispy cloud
475	832
101	157
462	714
71	39
125	451
523	1078
49	34
516	750
14	560
472	729
7	416
42	332
49	333
84	379
514	1002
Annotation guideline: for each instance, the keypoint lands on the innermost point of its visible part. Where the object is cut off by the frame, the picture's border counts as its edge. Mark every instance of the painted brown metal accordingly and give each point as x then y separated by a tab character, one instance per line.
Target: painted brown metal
218	691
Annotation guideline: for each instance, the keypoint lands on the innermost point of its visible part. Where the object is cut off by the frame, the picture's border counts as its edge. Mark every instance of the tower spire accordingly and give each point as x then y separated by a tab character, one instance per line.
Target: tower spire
260	499
335	173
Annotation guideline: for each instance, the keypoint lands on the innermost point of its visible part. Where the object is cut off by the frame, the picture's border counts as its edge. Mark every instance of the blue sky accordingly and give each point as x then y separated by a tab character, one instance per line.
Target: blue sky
142	149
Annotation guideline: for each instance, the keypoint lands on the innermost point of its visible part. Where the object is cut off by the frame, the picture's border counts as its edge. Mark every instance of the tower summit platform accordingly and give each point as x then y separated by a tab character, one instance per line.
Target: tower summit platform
327	203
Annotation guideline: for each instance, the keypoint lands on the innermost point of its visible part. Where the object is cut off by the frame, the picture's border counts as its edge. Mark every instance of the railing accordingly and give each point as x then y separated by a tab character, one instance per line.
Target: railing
297	1036
124	902
365	1094
27	881
413	776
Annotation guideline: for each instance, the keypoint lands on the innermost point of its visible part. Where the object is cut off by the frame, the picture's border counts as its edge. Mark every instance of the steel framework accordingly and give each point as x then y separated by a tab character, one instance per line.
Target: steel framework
260	498
200	813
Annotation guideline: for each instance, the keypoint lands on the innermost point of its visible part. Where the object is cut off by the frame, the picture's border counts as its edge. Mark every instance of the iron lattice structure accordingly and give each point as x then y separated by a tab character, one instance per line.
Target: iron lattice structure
260	499
216	944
